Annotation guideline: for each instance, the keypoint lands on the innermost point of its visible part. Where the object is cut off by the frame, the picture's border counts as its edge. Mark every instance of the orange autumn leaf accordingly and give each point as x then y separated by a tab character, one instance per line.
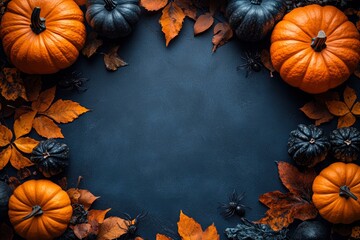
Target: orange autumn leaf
153	5
65	111
171	21
337	108
162	237
5	136
47	128
356	109
112	228
203	23
188	8
97	215
222	34
74	195
5	157
23	124
349	97
189	229
43	102
346	121
91	45
18	161
82	230
12	85
112	60
86	198
26	144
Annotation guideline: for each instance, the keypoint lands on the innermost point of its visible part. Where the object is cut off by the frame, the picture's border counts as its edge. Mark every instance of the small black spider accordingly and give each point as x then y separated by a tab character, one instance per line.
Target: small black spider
233	206
131	226
252	63
74	80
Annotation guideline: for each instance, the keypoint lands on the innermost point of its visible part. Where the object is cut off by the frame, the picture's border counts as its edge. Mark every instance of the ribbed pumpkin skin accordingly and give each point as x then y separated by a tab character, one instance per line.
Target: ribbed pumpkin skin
326	187
54	202
55	48
116	23
5	193
299	64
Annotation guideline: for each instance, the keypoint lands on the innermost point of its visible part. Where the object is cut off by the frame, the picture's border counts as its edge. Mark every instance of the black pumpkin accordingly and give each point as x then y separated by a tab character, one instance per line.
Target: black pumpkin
307	145
252	20
113	18
50	157
345	144
5	193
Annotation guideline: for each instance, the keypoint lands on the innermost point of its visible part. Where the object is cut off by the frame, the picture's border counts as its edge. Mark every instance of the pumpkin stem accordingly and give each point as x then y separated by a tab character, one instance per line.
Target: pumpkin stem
318	42
36	211
37	22
256	2
110	5
346	193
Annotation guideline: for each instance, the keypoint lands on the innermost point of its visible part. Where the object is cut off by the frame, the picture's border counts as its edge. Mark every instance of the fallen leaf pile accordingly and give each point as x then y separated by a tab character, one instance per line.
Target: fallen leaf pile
295	204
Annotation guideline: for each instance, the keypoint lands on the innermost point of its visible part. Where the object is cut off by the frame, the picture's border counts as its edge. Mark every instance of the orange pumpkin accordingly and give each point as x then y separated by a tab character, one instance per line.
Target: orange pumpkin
336	192
315	48
42	36
39	210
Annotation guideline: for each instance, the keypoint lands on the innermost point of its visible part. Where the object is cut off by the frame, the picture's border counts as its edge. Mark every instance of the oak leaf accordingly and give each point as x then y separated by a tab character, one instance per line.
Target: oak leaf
112	60
203	23
162	237
12	85
153	5
346	110
171	21
222	34
92	44
97	215
266	61
188	8
112	228
295	204
189	229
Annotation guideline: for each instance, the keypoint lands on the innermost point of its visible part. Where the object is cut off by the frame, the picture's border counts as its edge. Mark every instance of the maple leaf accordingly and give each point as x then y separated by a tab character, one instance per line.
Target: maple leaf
188	8
7	232
92	44
266	61
112	228
189	229
112	60
12	85
162	237
171	21
295	204
347	110
10	152
153	5
222	34
203	23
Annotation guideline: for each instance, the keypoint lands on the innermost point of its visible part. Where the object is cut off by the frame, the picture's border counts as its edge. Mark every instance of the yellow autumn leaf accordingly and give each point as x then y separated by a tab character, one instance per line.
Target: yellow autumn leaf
65	111
26	144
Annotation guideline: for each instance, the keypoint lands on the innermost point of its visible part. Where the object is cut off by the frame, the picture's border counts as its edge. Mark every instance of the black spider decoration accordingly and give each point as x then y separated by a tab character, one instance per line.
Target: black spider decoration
132	226
233	206
72	81
252	63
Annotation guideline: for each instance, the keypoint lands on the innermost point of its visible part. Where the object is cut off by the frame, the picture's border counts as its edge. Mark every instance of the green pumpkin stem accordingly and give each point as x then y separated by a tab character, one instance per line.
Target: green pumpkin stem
346	193
109	5
256	2
36	211
37	22
318	43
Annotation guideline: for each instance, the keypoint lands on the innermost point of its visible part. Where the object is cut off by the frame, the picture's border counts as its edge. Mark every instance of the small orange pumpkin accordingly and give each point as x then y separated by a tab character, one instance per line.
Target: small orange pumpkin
315	48
337	192
42	36
39	210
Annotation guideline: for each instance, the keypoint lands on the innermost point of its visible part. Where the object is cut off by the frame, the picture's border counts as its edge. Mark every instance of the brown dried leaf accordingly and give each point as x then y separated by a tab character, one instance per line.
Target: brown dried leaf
5	136
349	96
7	232
222	34
33	86
21	110
65	111
203	23
74	195
97	215
18	161
188	8
86	198
23	124
13	182
153	5
346	121
266	61
24	173
46	127
337	108
26	144
5	156
82	230
112	60
356	109
315	111
91	45
162	237
355	232
12	85
44	100
112	228
171	21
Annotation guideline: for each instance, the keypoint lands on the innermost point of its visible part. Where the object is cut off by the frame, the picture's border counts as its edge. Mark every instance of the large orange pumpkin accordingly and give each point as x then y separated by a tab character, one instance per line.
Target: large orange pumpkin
337	192
315	48
39	210
42	36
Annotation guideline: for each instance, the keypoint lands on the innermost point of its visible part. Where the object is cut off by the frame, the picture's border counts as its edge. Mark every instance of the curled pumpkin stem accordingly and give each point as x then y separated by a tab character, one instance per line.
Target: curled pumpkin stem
345	192
37	22
36	211
318	43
